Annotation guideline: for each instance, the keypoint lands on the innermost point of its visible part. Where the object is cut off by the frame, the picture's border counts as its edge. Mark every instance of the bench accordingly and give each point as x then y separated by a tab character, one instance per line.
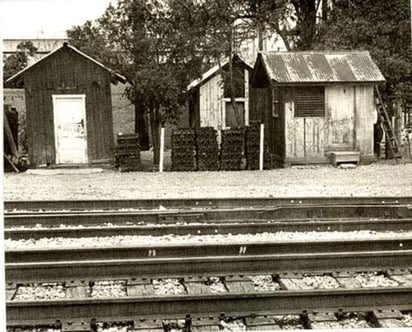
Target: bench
339	157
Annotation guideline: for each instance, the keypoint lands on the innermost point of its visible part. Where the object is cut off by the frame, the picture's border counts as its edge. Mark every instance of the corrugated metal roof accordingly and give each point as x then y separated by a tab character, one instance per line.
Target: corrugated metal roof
115	76
318	67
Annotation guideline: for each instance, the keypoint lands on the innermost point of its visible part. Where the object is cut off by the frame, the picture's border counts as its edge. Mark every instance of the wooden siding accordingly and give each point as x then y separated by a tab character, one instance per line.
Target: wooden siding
364	120
211	105
258	103
304	136
347	125
67	72
340	114
277	124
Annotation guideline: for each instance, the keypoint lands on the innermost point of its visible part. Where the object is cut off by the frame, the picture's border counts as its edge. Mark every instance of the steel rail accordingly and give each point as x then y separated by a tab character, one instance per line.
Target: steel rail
399	298
214	227
197	203
21	272
201	250
311	212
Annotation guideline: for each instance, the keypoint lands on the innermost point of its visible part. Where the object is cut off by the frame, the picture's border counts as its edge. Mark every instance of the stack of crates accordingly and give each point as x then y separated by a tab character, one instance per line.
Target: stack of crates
207	149
183	150
231	151
128	153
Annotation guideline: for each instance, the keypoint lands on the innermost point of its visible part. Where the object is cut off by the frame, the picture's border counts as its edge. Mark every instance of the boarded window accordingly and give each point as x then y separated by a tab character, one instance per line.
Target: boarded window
238	82
309	102
231	119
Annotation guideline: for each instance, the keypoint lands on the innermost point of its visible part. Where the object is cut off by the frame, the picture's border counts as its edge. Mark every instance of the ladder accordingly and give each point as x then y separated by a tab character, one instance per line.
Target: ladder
387	126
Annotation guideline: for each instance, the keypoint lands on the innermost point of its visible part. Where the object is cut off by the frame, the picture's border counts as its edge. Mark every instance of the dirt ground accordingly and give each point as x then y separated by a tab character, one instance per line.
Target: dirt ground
382	179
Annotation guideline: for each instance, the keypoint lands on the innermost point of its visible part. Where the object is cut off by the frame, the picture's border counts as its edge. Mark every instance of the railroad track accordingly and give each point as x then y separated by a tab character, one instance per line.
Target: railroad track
238	299
139	264
79	205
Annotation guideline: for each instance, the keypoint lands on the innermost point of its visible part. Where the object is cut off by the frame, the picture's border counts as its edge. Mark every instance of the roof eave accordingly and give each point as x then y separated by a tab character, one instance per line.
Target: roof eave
273	81
115	77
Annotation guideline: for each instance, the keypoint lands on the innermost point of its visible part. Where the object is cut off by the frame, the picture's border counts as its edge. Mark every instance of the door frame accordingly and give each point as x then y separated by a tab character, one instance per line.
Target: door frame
55	98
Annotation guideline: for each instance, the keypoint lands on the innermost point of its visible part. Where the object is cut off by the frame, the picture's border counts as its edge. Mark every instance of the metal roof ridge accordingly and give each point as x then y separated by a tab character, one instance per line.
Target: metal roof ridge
315	52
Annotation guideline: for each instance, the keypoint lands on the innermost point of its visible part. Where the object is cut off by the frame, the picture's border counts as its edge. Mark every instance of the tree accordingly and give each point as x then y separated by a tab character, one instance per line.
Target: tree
19	60
149	43
93	38
381	27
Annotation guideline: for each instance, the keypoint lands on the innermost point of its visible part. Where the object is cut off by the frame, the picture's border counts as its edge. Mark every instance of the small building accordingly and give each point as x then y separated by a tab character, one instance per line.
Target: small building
314	104
68	108
210	103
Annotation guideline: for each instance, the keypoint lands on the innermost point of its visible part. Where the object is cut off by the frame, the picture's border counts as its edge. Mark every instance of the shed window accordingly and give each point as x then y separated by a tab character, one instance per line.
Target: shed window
238	83
231	120
275	102
310	102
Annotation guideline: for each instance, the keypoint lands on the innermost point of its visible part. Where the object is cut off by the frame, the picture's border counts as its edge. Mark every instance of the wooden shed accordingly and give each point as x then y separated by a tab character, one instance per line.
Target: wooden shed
314	104
68	108
210	100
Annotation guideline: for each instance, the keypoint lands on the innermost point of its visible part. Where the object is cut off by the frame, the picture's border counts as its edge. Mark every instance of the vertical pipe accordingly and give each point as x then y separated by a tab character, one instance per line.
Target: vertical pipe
261	146
304	140
162	145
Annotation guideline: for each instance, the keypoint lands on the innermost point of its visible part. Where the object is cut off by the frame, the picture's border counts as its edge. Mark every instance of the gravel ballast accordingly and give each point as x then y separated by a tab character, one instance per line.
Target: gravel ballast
407	319
216	285
324	181
42	291
108	288
264	283
168	286
138	240
32	329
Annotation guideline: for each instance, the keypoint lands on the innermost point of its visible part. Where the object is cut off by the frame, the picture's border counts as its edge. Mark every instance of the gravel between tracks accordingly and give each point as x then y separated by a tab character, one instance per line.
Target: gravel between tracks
109	288
46	291
32	329
138	240
372	180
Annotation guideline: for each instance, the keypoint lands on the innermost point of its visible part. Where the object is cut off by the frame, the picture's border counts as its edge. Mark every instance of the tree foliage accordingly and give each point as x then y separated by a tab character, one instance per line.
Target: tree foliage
19	60
152	44
381	27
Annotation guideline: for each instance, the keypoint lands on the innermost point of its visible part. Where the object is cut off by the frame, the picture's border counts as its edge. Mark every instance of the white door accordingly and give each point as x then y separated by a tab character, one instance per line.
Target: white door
70	129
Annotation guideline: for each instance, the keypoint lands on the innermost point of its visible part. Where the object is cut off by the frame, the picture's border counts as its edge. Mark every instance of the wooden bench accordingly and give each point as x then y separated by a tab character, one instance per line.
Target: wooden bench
339	157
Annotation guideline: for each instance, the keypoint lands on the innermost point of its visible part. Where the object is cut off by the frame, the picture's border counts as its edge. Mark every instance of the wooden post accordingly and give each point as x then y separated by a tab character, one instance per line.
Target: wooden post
261	146
162	146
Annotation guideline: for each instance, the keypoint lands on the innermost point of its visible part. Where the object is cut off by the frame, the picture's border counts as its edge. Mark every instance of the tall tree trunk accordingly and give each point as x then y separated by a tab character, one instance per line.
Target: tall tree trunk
155	129
141	128
306	11
231	85
325	10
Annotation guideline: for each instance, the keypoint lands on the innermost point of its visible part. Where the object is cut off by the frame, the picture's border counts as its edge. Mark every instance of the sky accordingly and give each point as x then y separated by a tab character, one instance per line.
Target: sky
46	18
